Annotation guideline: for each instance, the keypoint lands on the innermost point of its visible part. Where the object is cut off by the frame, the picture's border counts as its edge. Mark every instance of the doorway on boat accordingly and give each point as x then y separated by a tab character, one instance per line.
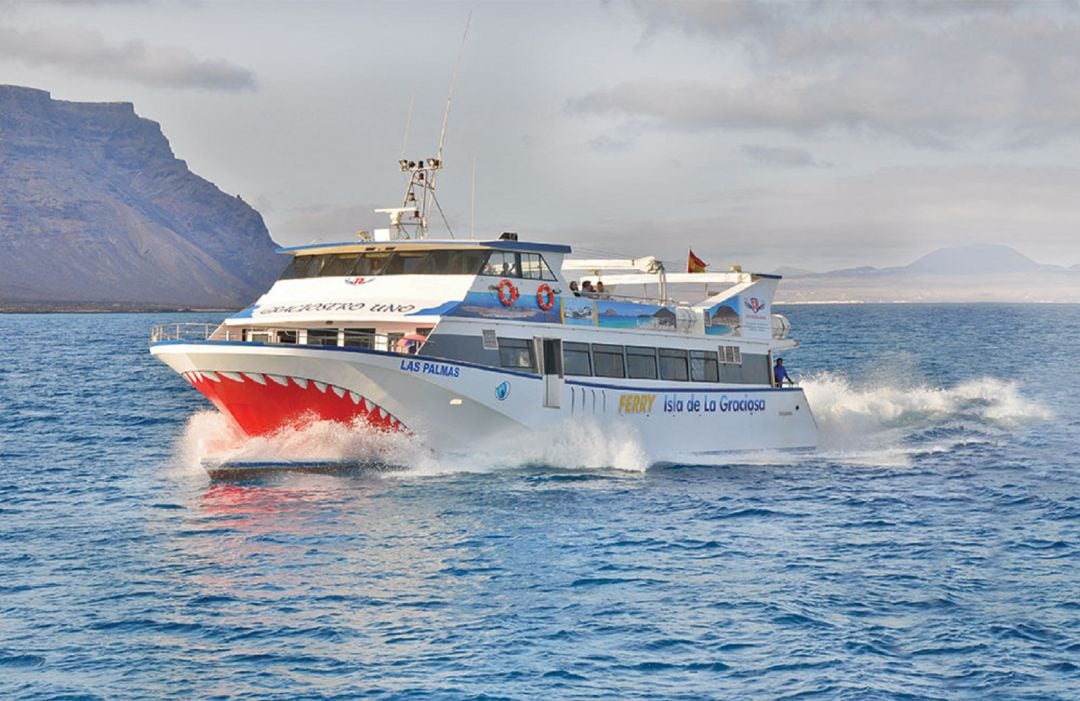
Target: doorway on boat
552	369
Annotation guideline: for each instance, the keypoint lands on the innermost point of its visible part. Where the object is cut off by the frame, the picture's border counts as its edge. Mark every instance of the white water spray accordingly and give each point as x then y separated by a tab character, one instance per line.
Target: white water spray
209	436
873	424
881	417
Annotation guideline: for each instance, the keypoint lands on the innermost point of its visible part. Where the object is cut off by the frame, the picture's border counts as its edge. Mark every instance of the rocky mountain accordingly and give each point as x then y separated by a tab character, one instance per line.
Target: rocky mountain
974	259
96	210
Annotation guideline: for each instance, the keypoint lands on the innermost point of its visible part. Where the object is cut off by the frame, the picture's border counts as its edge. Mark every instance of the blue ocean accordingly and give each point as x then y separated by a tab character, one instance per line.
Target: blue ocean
929	550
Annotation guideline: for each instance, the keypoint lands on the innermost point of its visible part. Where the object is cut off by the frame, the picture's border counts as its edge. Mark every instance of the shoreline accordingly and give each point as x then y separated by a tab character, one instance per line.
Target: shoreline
100	308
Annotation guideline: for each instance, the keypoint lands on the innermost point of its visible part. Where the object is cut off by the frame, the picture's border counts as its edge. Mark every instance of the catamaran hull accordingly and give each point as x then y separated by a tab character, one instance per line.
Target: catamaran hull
455	406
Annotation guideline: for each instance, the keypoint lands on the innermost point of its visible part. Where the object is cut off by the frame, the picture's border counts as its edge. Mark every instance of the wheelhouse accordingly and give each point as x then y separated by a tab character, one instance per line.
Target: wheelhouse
451	258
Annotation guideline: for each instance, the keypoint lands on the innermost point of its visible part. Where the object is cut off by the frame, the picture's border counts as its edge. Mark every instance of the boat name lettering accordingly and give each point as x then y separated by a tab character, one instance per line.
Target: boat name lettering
395	308
335	307
674	404
425	368
636	403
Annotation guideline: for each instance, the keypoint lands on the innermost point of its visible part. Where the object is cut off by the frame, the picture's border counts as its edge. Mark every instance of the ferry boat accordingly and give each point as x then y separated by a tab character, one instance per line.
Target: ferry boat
460	342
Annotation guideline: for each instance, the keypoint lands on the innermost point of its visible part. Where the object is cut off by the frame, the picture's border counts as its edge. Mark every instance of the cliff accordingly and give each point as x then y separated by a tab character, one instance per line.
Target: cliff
96	210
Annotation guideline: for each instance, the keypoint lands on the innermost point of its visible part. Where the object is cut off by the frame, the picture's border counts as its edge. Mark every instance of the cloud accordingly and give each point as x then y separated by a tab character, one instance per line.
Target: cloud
729	18
786	156
938	75
888	217
86	52
610	144
322	222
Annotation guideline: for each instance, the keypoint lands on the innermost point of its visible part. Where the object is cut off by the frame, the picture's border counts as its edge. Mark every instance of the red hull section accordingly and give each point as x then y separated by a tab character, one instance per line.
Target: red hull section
261	404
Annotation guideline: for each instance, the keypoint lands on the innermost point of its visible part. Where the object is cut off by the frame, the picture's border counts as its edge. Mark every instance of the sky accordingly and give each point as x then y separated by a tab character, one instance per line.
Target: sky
811	134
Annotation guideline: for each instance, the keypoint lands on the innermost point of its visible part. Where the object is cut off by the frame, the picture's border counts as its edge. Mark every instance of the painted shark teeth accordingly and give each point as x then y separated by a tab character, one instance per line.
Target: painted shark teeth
378	417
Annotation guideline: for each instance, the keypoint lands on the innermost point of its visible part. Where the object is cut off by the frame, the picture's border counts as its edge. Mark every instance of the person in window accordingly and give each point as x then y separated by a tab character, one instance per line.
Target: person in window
574	288
587	289
780	374
600	291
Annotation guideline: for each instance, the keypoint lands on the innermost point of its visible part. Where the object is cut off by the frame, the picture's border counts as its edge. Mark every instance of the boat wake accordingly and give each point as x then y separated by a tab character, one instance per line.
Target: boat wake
874	424
888	421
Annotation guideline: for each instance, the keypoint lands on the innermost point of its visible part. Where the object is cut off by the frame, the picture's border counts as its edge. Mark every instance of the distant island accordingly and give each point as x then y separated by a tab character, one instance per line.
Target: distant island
976	273
97	213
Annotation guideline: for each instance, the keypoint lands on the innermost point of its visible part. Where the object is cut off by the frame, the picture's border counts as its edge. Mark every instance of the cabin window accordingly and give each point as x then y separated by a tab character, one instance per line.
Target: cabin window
359	338
370	263
502	264
576	359
608	360
533	267
339	265
405	263
516	353
641	362
673	364
703	367
530	266
451	262
286	336
303	266
322	337
731	355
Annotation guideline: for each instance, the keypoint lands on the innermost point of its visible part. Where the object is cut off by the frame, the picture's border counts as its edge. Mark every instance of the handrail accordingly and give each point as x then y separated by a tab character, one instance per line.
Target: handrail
181	331
193	331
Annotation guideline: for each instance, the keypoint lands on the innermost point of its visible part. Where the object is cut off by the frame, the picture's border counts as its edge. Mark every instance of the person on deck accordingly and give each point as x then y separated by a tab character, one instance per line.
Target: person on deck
780	374
574	288
587	289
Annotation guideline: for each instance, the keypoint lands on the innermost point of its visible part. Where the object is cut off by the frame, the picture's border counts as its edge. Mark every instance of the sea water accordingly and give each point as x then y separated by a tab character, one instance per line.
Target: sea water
929	549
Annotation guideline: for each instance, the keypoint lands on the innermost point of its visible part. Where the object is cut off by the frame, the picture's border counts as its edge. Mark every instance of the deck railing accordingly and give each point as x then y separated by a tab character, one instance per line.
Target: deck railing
188	331
182	331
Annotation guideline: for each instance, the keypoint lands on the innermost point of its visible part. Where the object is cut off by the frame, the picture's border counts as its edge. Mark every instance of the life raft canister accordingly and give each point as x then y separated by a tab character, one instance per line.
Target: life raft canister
508	294
545	298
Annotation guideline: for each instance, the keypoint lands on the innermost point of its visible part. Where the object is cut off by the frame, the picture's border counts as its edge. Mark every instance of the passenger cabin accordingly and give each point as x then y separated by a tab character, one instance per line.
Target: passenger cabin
496	303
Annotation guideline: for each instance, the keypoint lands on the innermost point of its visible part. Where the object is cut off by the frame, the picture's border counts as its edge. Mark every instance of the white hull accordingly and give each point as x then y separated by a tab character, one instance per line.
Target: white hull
454	406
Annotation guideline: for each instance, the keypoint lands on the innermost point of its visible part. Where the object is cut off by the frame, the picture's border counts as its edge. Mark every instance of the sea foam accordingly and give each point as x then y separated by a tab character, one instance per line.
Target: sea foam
887	415
880	423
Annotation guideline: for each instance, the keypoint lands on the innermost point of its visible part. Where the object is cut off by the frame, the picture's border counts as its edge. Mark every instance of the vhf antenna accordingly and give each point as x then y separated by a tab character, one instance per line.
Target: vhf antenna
453	84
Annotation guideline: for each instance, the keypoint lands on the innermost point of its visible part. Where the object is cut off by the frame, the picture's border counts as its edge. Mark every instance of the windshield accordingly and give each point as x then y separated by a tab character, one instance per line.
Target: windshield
445	262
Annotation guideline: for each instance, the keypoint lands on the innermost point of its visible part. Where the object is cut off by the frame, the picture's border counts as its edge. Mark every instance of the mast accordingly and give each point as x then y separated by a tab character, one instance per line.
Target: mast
410	220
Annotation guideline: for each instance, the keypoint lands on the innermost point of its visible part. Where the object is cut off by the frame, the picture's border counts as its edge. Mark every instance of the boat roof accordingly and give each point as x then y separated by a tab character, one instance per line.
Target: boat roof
423	244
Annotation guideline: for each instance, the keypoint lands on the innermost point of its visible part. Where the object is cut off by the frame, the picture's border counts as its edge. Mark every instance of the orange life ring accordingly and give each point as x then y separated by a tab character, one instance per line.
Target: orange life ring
545	298
508	294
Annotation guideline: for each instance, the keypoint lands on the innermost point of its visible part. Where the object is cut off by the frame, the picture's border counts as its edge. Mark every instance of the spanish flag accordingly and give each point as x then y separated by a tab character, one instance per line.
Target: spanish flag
695	264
